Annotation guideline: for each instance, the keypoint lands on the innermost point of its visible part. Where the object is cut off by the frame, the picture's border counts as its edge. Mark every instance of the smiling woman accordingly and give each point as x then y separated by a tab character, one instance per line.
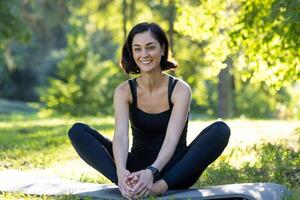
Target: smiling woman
148	55
157	106
135	45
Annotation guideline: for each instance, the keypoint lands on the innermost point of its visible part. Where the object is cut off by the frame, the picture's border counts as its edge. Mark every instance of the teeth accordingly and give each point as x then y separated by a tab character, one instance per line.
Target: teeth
146	61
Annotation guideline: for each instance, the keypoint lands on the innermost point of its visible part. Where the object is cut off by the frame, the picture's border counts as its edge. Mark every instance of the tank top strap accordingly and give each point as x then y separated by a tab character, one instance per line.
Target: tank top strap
172	83
133	84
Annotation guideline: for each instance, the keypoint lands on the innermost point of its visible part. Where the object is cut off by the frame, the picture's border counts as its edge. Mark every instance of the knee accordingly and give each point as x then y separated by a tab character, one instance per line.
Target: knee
223	129
75	130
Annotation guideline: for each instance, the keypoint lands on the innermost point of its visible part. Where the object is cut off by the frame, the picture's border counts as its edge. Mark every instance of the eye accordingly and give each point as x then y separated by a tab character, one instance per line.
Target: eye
151	47
136	49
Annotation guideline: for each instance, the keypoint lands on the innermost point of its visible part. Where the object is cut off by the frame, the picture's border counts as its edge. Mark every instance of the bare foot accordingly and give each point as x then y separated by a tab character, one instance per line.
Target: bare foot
158	188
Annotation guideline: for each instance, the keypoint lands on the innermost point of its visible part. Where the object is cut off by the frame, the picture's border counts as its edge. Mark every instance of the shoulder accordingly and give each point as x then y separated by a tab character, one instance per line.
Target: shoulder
123	91
123	87
182	92
182	88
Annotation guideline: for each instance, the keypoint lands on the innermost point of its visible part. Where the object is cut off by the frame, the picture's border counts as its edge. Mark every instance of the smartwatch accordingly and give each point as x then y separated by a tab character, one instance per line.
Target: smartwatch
155	172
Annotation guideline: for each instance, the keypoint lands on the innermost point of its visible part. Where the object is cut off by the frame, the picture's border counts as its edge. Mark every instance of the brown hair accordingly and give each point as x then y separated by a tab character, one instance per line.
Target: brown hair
127	62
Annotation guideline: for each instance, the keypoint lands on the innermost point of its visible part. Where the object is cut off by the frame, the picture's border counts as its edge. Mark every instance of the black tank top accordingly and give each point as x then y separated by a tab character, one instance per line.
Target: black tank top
149	130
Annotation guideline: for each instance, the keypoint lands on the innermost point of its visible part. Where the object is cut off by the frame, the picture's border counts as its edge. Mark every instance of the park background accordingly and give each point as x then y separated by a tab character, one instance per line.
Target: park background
59	64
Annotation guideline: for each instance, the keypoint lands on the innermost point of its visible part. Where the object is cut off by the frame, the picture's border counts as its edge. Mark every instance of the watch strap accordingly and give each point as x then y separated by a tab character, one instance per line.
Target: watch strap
155	172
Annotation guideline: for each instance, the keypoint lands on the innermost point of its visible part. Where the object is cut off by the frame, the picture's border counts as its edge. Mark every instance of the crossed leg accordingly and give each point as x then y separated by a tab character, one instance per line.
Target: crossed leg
204	149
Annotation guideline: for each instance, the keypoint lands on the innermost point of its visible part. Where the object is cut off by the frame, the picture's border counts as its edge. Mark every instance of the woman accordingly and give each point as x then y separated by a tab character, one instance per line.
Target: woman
157	106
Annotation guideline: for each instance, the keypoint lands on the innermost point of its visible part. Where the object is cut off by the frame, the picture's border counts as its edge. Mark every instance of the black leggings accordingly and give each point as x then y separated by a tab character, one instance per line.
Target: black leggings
181	172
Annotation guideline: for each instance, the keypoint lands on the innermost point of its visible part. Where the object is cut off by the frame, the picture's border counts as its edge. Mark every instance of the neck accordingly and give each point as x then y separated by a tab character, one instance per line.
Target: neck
151	81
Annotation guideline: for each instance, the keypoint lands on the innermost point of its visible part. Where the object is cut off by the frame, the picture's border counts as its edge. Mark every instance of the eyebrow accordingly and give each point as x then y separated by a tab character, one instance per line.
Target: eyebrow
146	44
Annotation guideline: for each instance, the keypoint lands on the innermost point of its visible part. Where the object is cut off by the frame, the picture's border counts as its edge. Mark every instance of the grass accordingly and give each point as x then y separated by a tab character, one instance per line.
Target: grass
259	151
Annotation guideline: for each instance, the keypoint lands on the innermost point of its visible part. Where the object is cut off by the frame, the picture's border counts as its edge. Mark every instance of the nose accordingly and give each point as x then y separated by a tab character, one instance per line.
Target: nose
144	53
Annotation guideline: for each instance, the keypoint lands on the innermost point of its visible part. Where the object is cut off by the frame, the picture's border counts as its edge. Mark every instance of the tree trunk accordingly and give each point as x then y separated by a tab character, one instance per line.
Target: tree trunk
225	91
171	19
132	12
124	8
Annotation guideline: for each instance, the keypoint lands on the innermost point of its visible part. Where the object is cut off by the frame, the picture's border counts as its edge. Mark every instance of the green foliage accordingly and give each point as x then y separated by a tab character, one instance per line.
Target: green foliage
70	39
84	85
267	39
12	28
27	61
262	39
273	163
253	100
87	75
11	24
205	25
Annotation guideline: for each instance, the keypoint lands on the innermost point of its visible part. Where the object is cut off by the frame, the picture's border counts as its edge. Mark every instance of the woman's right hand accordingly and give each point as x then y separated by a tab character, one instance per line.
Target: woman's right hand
124	187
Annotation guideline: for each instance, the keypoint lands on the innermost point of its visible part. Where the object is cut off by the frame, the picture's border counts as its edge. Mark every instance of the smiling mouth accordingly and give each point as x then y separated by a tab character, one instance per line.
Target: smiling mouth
146	61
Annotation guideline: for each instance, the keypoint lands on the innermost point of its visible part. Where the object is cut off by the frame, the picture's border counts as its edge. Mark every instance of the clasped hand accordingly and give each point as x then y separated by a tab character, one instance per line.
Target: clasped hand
137	184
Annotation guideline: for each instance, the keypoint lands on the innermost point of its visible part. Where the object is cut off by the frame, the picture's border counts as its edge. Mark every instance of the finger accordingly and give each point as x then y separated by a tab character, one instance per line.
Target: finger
132	175
140	188
137	186
124	194
135	178
128	195
130	184
126	188
142	193
147	193
126	181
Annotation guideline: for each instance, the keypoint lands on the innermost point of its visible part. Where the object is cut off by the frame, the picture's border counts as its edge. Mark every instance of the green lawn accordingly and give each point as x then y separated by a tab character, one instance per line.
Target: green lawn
258	151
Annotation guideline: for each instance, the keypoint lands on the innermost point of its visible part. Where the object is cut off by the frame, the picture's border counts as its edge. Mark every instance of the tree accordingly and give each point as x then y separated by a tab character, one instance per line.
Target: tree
11	28
267	40
261	38
86	77
29	60
225	91
204	22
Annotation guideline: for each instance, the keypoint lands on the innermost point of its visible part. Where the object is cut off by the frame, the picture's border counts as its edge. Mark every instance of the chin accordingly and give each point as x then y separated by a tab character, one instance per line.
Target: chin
149	68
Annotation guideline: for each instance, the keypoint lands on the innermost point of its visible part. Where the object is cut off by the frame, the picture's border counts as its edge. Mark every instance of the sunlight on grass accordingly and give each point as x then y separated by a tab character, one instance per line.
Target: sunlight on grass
39	143
258	151
18	196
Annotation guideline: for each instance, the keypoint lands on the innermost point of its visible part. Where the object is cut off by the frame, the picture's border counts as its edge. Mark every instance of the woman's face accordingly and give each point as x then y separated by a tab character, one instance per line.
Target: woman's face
146	51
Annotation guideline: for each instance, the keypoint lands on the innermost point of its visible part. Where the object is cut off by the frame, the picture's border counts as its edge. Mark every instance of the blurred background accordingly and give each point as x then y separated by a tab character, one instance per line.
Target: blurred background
59	64
240	57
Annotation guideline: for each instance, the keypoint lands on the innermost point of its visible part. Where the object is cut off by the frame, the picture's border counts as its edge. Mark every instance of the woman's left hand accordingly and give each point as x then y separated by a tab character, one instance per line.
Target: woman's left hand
144	184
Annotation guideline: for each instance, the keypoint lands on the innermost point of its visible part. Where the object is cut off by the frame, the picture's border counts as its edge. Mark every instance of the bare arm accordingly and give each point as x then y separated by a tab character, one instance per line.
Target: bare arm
181	103
120	139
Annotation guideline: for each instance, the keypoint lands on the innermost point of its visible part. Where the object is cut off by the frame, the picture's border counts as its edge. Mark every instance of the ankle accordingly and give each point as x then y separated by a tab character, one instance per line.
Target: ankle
159	187
163	185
